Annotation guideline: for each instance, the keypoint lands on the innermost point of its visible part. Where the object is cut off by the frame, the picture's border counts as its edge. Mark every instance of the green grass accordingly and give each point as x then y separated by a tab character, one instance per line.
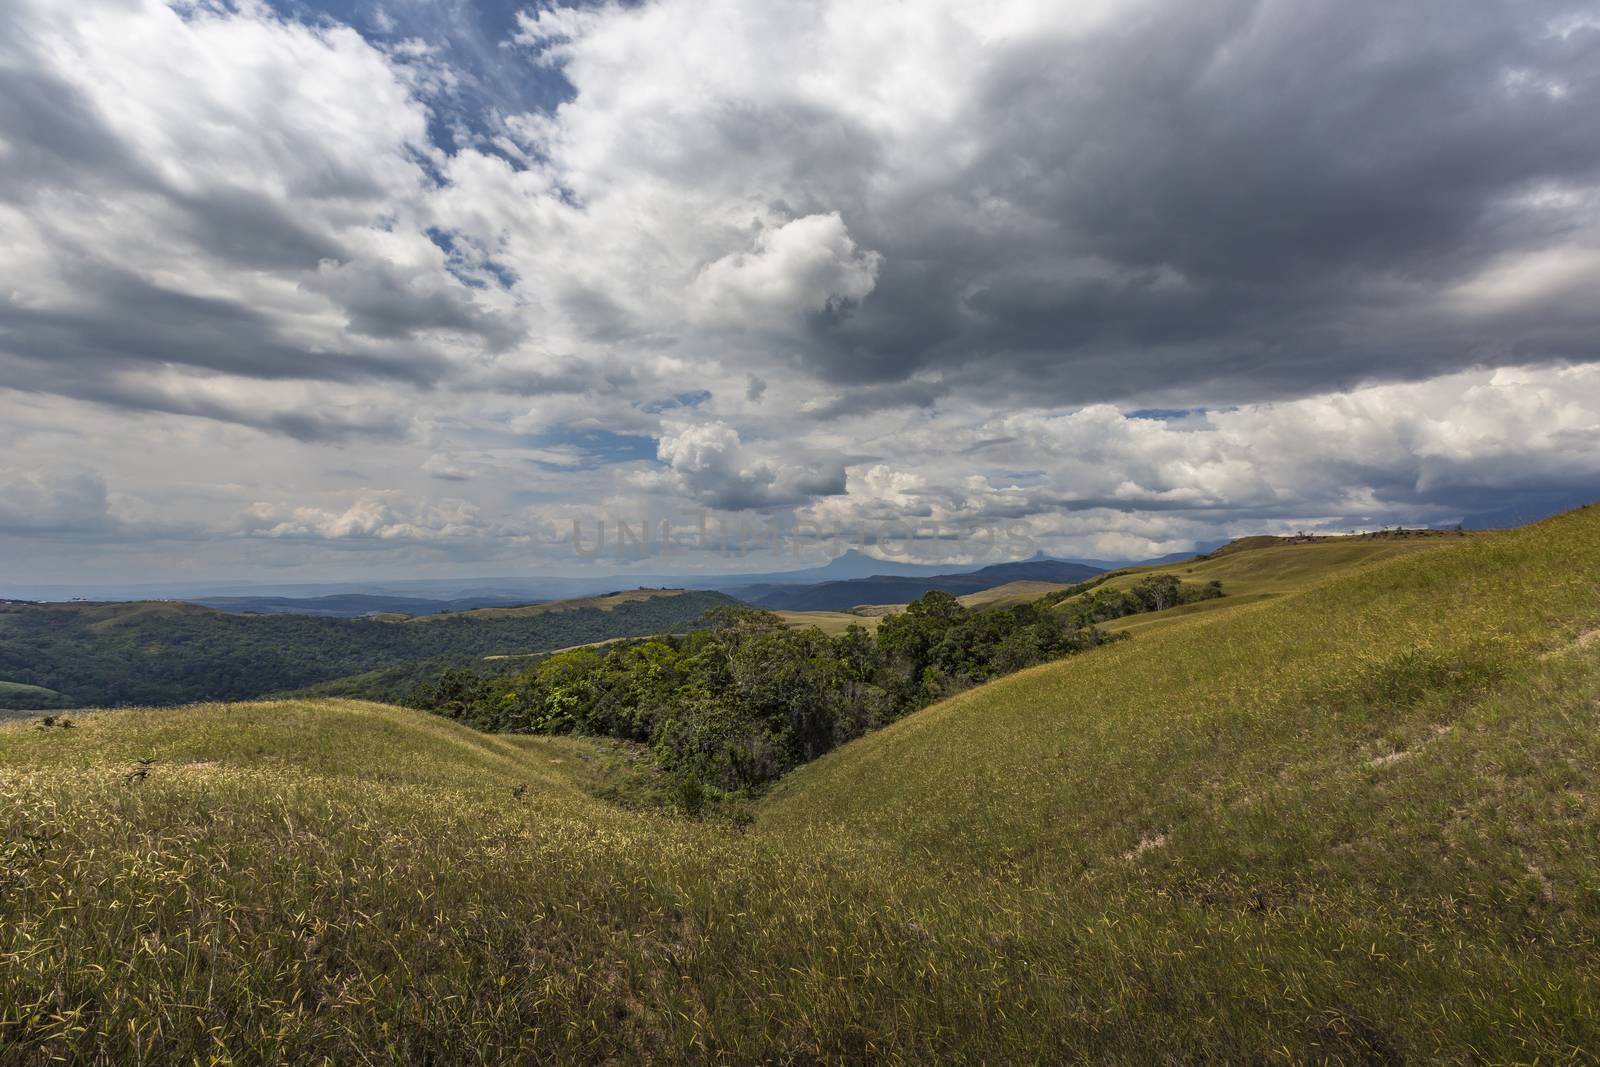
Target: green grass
1355	822
1257	569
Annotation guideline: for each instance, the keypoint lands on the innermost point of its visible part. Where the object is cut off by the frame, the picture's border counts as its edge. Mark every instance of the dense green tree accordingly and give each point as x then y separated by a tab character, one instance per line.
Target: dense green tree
171	653
740	701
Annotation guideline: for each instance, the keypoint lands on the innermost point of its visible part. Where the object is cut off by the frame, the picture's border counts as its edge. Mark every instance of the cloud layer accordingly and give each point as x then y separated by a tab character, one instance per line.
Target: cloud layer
1131	273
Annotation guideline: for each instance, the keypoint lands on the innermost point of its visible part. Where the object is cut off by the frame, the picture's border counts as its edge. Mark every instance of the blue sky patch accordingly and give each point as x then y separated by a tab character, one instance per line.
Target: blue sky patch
599	448
692	398
1165	414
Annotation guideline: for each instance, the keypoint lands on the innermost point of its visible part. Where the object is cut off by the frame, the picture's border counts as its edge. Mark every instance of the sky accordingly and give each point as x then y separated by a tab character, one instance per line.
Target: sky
403	289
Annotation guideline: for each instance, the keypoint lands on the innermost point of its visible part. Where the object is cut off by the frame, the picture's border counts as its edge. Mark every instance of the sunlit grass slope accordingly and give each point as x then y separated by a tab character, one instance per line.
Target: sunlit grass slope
1251	570
1010	594
1355	823
830	622
1250	574
1367	809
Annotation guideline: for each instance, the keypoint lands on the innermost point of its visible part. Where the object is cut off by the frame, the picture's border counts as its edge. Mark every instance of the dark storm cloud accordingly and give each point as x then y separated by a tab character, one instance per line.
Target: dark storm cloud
70	171
600	317
384	304
766	488
244	228
1248	199
125	322
866	399
557	376
316	424
52	135
862	261
32	506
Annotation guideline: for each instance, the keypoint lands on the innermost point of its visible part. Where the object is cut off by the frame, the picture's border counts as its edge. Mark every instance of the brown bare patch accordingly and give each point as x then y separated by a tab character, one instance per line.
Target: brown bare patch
1587	639
1404	753
1146	844
1547	889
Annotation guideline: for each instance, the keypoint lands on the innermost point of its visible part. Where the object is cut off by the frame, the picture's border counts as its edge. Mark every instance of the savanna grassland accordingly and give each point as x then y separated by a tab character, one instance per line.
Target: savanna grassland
1354	821
1255	569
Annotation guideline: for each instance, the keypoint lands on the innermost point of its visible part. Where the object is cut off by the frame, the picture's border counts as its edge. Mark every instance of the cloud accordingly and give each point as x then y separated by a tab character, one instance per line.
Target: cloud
215	190
70	504
386	304
1415	452
288	409
378	517
33	504
807	265
1223	198
448	468
837	259
709	463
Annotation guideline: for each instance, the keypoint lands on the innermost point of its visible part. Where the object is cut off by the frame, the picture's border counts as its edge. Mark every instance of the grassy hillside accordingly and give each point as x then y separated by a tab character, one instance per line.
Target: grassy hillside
830	622
1353	823
1254	569
158	652
1010	594
870	615
1251	569
607	602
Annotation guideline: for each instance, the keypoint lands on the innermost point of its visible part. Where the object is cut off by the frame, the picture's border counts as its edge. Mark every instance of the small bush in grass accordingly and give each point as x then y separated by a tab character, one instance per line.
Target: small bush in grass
689	795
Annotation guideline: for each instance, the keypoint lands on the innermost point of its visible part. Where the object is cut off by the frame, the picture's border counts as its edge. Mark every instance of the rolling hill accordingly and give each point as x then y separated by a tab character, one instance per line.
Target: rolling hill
831	622
168	653
603	603
1350	820
349	605
890	589
1011	593
14	696
434	595
1263	568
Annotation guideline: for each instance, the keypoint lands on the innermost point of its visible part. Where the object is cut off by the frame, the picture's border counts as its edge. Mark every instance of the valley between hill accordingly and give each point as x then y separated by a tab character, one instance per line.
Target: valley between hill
1353	818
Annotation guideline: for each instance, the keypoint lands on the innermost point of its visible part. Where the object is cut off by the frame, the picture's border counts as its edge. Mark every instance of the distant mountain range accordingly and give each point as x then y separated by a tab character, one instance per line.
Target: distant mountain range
429	596
1200	549
901	589
853	564
433	595
351	605
481	591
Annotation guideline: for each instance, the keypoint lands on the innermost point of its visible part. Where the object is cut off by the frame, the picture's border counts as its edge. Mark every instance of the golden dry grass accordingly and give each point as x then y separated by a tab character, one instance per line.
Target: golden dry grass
1259	569
1010	594
830	622
1353	823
